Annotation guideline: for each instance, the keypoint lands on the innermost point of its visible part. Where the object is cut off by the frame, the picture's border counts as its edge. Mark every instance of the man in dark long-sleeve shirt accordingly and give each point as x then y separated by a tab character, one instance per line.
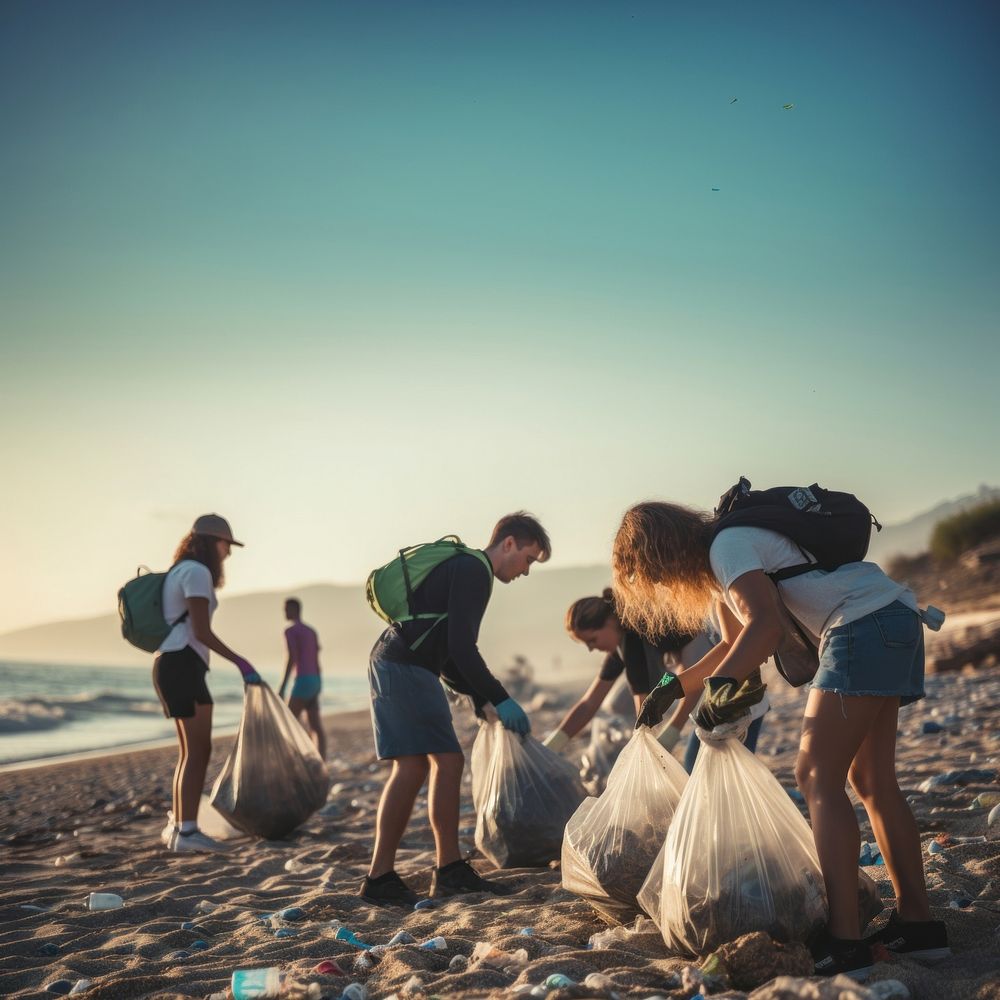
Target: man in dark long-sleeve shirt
410	713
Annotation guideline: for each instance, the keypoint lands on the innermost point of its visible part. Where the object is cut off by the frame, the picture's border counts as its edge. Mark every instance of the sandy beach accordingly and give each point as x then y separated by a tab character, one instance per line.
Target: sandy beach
93	825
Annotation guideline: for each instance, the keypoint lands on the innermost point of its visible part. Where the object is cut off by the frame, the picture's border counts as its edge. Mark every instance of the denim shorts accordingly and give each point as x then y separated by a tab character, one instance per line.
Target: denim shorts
410	713
881	654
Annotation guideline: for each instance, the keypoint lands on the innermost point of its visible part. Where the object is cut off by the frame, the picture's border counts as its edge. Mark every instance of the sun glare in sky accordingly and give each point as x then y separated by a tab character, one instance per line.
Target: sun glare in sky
359	275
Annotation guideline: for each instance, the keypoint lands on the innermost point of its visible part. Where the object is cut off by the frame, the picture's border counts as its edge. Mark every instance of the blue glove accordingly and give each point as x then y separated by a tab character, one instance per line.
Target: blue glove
513	718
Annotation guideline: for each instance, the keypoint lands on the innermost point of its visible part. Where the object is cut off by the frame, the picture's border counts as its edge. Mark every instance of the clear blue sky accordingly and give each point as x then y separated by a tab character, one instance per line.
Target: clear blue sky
360	274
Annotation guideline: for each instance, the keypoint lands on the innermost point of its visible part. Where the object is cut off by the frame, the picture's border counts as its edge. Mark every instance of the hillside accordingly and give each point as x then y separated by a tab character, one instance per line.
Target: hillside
524	618
910	538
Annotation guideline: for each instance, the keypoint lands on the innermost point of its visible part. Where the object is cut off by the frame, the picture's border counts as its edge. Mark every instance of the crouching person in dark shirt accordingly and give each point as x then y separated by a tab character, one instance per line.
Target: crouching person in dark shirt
410	712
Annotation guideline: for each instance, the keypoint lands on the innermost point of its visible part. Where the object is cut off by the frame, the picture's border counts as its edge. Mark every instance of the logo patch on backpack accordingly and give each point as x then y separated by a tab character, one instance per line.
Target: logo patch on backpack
802	498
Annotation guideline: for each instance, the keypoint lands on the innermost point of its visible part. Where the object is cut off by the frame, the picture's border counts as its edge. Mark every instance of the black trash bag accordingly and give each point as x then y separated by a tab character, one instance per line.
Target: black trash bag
274	779
524	795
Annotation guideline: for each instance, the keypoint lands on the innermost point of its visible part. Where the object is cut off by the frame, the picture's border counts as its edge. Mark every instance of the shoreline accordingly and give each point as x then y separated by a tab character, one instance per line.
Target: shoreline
98	755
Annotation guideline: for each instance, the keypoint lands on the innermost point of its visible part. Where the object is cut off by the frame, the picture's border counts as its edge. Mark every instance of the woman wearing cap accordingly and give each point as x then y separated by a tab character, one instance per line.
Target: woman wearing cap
592	621
181	666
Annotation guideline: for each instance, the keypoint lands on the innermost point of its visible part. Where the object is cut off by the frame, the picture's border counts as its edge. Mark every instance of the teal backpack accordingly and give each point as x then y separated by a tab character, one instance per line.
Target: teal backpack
390	587
140	607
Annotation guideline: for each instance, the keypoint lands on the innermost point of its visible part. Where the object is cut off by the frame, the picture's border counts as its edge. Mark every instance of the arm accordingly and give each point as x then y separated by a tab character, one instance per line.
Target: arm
202	630
684	709
693	679
292	660
586	708
748	648
468	595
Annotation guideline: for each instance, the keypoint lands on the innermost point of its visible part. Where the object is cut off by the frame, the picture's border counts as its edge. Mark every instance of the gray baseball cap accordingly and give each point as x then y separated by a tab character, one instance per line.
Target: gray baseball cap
215	526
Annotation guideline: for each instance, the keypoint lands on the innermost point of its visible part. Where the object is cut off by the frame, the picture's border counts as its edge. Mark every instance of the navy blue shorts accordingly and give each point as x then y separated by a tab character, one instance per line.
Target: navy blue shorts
410	713
881	654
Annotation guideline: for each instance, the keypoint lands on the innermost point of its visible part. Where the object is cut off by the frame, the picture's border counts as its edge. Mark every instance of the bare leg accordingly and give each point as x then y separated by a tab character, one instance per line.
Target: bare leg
873	777
175	798
834	728
316	725
197	739
395	808
443	804
297	706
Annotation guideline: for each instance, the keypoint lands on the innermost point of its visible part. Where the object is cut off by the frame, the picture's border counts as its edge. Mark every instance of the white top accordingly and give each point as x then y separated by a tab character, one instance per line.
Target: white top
818	600
187	579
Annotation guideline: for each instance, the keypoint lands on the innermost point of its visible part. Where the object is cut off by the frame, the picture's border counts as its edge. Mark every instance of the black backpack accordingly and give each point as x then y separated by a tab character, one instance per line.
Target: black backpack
835	528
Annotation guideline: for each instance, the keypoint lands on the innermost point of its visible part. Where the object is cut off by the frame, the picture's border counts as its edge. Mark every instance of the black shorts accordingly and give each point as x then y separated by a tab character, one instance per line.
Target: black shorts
179	679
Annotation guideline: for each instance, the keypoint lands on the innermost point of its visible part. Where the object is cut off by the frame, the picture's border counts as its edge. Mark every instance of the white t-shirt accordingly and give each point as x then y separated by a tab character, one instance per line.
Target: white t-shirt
818	600
187	579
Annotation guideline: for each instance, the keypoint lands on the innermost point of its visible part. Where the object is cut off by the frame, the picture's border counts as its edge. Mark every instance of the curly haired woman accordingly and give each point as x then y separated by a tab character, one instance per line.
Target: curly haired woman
667	571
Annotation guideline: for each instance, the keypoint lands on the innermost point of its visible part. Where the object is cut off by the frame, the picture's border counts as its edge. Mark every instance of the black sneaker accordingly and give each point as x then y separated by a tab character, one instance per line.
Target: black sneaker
836	956
924	940
387	890
459	877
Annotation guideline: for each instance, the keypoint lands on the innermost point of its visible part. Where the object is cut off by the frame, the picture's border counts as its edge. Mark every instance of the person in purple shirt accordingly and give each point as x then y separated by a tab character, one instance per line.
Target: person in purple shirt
303	656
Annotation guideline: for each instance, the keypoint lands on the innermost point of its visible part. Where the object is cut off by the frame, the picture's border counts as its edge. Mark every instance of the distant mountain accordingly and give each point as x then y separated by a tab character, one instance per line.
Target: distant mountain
910	538
525	618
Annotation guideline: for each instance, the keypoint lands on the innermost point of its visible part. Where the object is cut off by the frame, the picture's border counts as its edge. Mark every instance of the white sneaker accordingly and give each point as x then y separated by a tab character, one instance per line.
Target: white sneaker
196	841
168	831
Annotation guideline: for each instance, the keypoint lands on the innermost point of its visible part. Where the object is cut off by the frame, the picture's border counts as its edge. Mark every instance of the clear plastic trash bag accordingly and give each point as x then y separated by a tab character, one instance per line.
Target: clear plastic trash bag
274	779
739	857
524	795
608	738
611	842
621	701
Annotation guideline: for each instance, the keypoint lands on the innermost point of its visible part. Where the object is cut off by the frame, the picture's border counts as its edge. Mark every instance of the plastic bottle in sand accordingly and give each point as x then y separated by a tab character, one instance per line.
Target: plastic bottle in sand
263	984
103	901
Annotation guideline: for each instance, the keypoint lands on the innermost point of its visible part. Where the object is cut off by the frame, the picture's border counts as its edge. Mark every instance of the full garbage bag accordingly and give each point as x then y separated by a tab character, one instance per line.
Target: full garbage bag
738	857
611	842
274	779
524	794
607	740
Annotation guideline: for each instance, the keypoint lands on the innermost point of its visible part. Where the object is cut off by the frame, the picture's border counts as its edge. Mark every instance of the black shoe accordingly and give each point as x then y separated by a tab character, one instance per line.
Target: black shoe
836	956
387	890
460	877
924	940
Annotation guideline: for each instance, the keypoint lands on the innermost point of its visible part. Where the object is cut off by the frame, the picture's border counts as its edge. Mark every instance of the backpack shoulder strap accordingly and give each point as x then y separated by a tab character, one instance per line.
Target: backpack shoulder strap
165	575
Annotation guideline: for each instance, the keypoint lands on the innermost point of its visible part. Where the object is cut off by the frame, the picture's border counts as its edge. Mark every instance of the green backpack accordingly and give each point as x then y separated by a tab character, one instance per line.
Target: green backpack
140	607
390	587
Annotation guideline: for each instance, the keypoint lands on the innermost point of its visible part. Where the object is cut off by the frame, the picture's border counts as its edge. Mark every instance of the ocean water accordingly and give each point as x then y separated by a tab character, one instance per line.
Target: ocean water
48	710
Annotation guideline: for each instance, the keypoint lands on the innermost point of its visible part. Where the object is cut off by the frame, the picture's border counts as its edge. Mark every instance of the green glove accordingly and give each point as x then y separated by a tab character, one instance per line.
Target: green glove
726	699
659	700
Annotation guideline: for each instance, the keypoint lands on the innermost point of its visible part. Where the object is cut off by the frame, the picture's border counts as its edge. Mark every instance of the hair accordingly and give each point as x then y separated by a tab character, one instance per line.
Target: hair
203	549
295	603
525	530
590	613
662	577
